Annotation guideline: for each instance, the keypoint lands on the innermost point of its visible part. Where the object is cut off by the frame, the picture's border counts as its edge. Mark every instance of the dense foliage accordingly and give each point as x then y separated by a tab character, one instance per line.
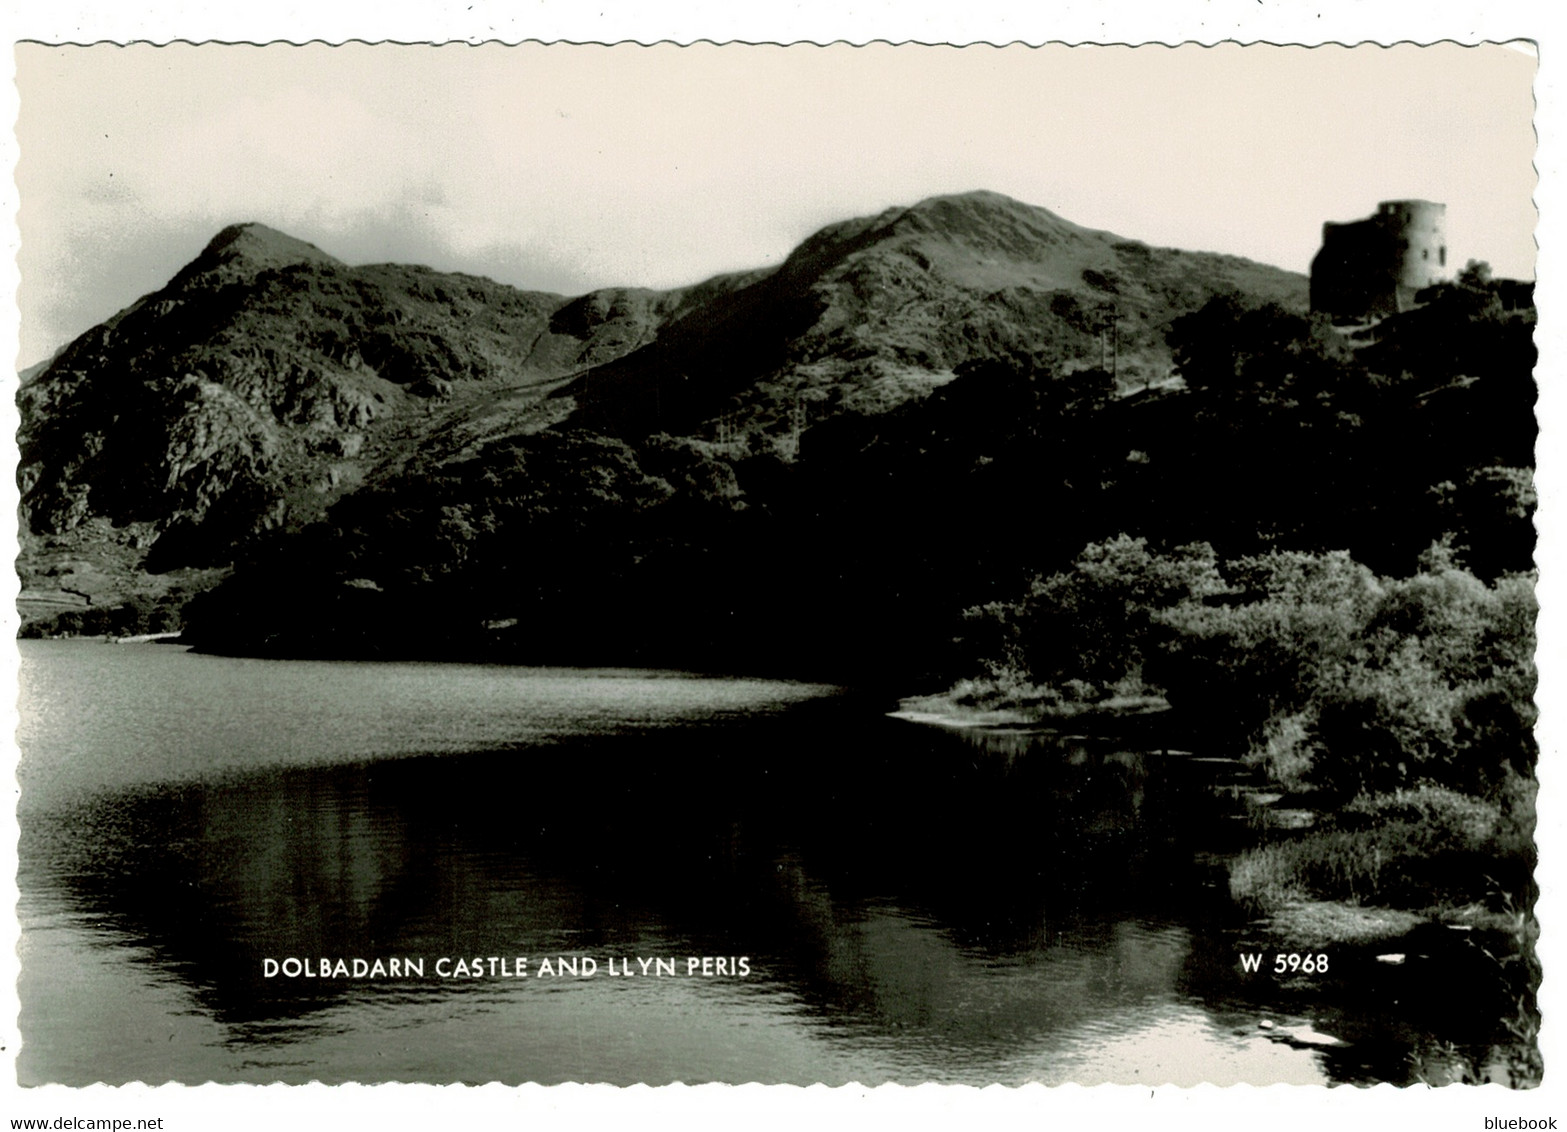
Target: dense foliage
853	548
1329	675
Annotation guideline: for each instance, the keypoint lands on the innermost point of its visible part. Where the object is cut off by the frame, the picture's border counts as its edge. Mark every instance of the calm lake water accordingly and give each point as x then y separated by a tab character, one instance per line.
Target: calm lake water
912	904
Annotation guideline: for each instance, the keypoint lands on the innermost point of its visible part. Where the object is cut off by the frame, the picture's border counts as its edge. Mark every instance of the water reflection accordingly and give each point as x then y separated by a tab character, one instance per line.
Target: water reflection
913	904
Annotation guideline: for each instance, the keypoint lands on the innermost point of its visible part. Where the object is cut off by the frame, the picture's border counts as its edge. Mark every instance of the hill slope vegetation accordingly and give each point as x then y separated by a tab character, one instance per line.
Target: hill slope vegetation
268	380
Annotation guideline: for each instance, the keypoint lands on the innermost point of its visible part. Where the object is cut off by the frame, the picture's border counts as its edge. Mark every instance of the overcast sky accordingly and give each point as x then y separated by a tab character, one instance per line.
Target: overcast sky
566	168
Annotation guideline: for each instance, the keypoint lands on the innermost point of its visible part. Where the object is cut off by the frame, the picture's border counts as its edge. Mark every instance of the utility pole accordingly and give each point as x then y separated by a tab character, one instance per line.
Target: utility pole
1115	344
1112	315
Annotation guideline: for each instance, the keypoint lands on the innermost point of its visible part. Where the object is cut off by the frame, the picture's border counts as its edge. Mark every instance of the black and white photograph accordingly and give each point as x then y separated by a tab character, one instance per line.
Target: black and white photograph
615	563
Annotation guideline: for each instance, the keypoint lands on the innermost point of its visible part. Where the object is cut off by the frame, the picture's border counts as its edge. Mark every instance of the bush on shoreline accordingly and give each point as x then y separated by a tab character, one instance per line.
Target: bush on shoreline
138	617
1324	674
1402	706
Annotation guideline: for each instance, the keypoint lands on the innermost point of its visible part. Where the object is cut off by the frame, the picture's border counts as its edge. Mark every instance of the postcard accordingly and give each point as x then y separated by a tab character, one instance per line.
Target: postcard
555	564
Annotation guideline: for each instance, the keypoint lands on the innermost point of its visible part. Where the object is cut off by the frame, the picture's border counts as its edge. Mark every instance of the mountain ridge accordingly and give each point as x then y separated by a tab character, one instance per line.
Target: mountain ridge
268	379
903	297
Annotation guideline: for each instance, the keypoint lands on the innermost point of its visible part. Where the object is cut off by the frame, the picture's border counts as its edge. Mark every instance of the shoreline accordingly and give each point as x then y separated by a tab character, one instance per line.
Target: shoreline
943	710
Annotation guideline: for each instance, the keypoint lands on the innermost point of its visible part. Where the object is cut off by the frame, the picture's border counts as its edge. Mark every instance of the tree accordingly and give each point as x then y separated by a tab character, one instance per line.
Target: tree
1476	274
1092	624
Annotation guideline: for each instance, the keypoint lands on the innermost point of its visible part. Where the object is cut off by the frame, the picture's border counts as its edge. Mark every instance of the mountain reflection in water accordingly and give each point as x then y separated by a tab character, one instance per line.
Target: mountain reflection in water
913	904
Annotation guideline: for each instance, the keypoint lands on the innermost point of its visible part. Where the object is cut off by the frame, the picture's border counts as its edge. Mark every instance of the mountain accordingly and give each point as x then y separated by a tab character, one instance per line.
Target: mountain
268	381
871	312
267	372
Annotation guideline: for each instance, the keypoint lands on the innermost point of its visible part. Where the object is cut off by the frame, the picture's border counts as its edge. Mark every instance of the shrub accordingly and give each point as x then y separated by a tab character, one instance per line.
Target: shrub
1386	726
1261	652
1286	749
1327	675
1354	683
1093	624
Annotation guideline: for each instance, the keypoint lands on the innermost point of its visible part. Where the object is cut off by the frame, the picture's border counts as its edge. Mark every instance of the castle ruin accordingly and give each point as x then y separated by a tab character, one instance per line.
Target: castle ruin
1374	267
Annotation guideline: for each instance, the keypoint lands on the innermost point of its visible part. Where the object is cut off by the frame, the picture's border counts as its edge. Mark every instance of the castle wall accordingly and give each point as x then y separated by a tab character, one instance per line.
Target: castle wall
1373	268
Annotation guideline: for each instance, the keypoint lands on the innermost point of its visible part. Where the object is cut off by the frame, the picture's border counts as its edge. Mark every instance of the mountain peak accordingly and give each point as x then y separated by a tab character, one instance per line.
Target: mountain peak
987	212
975	197
251	247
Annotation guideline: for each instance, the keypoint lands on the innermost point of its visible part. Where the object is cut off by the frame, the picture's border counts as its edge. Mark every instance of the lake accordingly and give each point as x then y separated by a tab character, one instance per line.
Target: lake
910	903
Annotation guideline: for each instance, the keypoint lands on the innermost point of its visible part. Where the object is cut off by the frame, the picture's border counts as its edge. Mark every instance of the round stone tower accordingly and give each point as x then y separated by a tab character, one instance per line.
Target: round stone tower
1417	230
1375	267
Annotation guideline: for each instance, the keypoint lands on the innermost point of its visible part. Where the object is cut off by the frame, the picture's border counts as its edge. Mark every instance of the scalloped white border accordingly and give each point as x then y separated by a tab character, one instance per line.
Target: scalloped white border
1276	1108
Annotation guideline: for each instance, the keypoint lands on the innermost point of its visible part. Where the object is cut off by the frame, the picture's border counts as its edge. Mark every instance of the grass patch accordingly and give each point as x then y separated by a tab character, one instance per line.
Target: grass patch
1320	923
1422	848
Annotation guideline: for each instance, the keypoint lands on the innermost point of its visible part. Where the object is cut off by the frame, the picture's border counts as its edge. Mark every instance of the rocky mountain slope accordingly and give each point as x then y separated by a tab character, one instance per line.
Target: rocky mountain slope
868	313
268	380
260	374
